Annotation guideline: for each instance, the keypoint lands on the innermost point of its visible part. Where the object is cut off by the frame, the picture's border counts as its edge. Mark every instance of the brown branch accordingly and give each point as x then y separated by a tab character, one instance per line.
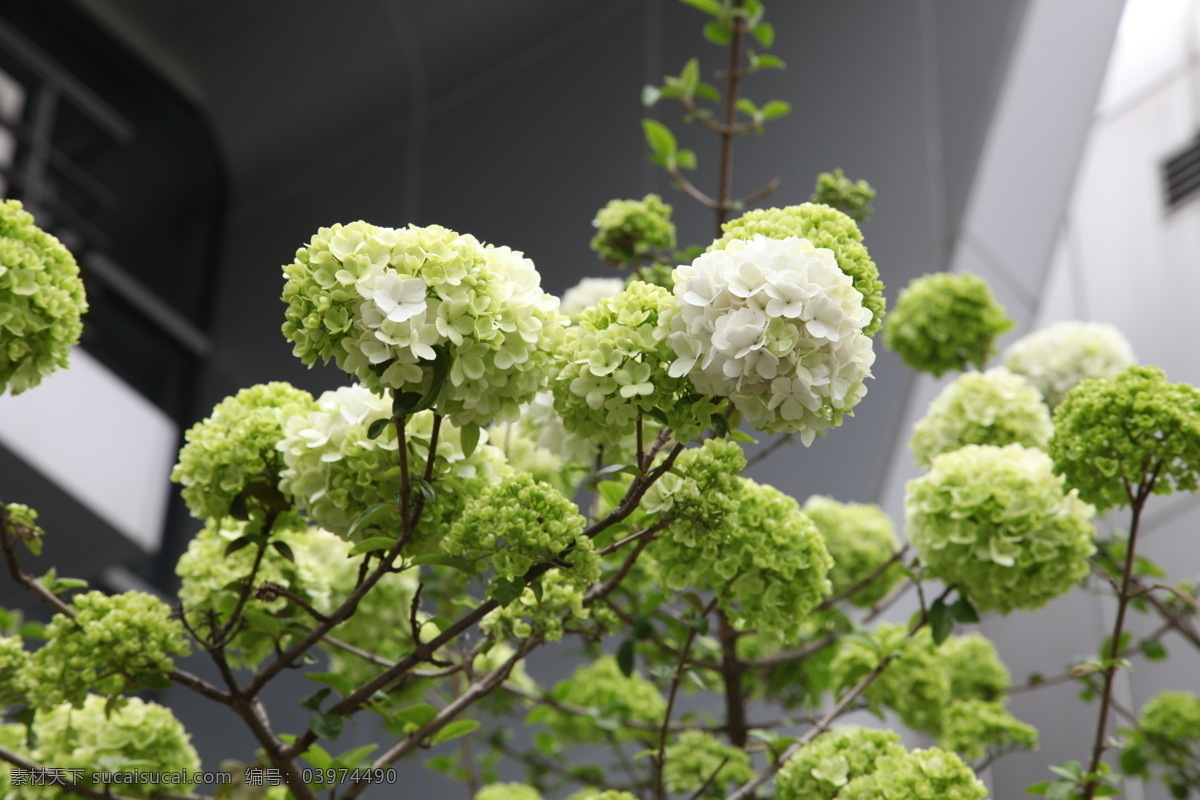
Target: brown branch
660	760
725	183
731	676
864	582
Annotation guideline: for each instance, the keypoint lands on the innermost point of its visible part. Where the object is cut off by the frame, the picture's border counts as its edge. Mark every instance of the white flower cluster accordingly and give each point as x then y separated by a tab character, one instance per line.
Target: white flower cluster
774	325
336	472
587	293
383	303
1057	358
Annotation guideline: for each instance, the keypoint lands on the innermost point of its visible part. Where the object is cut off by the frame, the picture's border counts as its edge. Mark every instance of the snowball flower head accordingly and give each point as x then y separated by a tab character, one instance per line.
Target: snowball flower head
824	227
587	293
1057	358
425	311
944	322
1114	435
832	760
627	230
860	538
41	300
776	327
998	523
995	407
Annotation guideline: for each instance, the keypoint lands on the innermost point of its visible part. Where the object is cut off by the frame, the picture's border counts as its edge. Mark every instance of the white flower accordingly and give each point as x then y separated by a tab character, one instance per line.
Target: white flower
1057	358
774	325
587	293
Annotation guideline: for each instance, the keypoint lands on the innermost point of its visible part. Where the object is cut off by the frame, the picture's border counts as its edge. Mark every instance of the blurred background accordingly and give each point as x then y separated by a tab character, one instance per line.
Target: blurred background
185	150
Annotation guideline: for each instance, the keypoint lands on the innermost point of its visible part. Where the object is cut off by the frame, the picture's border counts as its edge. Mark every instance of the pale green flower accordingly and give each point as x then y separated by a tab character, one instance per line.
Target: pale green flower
931	774
235	448
613	697
972	728
113	644
994	407
697	759
860	538
823	767
629	230
998	524
392	306
508	791
41	300
134	736
1057	358
1111	435
945	322
1166	741
853	198
587	293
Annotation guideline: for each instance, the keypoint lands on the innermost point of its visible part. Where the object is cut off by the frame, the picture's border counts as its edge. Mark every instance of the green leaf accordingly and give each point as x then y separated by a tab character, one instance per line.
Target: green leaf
372	545
1038	788
237	544
405	403
504	590
415	716
718	33
693	600
470	439
313	701
686	159
460	727
536	588
764	32
356	757
625	655
367	517
766	61
941	621
611	469
690	76
708	92
1071	770
328	726
376	428
335	679
1152	649
262	621
707	6
1061	790
318	756
743	437
284	550
659	137
425	489
643	628
747	107
776	109
964	611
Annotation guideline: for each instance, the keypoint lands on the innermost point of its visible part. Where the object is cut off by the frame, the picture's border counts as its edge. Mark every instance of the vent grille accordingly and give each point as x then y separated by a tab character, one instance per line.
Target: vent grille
1181	175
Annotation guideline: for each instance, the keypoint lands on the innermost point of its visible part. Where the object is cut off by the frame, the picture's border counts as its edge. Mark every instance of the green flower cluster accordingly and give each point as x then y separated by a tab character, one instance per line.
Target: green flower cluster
749	544
591	793
831	761
860	539
518	523
973	727
1058	358
1112	435
22	526
852	198
41	300
14	660
994	407
206	571
112	644
945	322
603	688
133	736
615	367
999	524
931	774
629	230
1167	738
236	447
508	791
923	680
587	293
336	471
396	308
824	227
698	758
543	613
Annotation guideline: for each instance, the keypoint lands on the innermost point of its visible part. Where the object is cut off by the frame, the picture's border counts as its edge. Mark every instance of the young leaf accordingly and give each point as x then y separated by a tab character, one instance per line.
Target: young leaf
659	137
313	701
720	425
625	655
504	591
776	109
328	726
964	611
718	33
707	6
367	517
237	544
747	107
335	679
1152	649
764	32
690	76
284	550
372	545
460	727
